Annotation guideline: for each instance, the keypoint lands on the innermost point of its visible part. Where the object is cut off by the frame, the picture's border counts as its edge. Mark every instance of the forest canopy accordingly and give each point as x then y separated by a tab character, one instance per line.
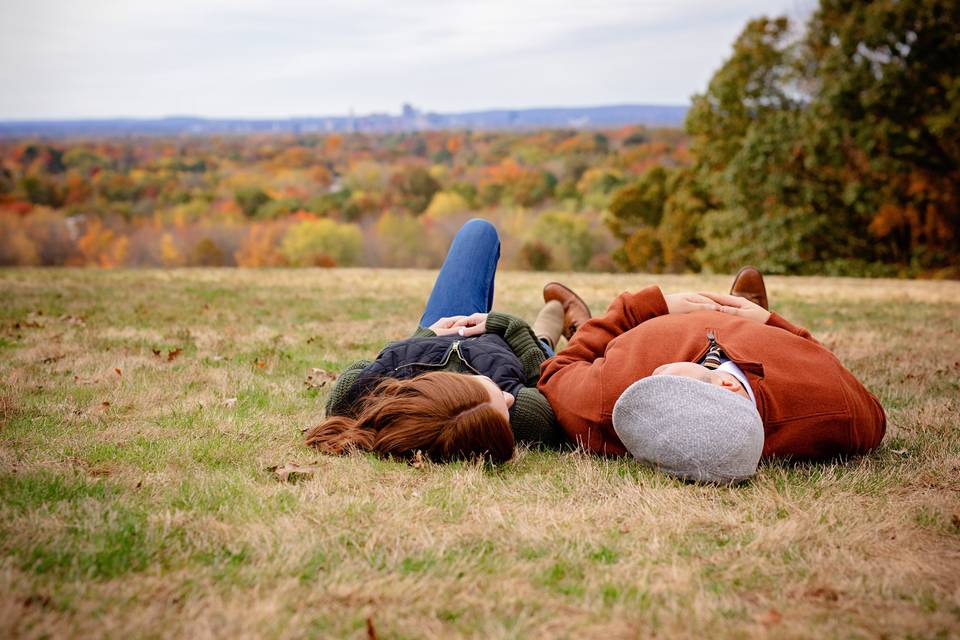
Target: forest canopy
830	147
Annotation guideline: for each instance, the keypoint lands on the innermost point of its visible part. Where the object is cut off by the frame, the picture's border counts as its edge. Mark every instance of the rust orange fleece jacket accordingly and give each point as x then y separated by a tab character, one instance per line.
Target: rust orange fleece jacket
811	406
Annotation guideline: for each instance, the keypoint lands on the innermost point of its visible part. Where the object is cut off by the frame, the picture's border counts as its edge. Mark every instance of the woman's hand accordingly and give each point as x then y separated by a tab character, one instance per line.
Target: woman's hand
447	326
678	303
472	325
737	306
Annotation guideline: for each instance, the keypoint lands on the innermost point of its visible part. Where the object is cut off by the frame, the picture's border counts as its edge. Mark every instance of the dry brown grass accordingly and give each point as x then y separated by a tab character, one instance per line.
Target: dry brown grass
156	515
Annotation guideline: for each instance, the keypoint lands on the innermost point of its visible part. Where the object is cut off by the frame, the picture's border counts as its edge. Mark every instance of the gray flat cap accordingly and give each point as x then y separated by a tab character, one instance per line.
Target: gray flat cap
690	429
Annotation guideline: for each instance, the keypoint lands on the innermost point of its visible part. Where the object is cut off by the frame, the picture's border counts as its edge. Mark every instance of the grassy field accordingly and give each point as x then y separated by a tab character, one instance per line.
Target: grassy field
141	413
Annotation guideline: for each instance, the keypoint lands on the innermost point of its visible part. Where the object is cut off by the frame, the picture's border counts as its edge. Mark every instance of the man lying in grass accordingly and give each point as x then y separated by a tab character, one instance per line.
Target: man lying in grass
703	393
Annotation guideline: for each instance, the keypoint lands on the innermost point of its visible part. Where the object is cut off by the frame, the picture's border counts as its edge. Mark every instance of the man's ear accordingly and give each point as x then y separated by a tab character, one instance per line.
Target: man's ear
729	382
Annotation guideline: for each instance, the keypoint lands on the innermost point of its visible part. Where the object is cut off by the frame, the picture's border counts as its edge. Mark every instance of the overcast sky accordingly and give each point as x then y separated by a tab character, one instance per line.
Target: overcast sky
266	58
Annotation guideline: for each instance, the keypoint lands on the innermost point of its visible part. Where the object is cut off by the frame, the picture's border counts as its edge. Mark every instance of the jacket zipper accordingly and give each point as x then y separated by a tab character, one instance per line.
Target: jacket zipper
456	347
446	358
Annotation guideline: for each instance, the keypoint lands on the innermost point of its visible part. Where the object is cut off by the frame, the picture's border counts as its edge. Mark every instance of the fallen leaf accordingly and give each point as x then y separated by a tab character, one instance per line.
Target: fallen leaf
371	632
417	461
769	617
826	593
105	404
54	358
156	352
117	370
37	600
955	521
230	402
319	378
292	472
173	355
260	363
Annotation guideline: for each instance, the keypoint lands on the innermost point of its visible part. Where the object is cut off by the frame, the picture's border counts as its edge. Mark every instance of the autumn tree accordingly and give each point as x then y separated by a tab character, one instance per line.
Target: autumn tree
414	188
836	149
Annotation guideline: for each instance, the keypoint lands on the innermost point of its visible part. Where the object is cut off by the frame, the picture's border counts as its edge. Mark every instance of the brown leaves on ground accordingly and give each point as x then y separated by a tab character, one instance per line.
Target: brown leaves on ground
769	617
293	472
319	378
172	354
417	461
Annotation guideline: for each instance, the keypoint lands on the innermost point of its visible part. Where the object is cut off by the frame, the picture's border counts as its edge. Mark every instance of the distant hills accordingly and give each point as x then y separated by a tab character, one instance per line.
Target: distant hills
410	119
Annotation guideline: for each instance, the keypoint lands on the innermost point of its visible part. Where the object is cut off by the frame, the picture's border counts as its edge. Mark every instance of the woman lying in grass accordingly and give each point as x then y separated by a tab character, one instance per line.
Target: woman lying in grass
464	385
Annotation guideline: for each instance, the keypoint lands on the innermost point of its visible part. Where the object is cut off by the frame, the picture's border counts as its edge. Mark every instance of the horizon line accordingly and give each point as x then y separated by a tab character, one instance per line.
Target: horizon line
340	115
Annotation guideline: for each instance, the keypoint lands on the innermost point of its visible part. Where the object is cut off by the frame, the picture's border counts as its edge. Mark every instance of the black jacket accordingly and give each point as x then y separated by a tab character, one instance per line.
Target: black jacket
508	353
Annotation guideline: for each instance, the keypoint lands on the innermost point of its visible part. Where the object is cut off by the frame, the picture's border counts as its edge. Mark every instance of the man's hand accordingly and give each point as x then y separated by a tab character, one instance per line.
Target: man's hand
689	302
737	306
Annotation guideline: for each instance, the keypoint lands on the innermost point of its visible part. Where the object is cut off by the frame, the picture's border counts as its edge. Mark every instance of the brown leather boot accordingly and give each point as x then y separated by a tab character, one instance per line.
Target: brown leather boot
575	310
748	284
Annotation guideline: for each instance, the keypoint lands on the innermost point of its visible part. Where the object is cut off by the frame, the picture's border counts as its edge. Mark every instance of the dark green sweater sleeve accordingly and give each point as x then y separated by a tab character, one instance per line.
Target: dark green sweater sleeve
338	404
533	422
523	343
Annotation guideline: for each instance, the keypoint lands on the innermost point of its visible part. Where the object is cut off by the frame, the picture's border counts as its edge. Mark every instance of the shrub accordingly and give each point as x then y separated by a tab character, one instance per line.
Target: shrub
206	253
641	252
638	204
568	236
782	241
446	203
401	240
16	248
415	188
250	199
536	256
322	242
261	247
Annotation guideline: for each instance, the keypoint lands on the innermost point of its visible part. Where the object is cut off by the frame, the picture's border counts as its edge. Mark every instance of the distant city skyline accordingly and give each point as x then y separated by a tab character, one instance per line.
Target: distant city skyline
283	58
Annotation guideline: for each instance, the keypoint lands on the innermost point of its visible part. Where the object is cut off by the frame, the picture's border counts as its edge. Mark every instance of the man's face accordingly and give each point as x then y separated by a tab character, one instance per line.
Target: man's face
720	379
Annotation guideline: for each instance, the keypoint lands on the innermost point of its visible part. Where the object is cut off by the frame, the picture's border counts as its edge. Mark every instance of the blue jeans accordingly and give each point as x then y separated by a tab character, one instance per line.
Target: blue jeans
466	279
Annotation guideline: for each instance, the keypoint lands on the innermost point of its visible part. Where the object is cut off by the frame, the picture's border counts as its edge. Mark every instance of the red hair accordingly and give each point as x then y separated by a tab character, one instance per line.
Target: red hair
447	416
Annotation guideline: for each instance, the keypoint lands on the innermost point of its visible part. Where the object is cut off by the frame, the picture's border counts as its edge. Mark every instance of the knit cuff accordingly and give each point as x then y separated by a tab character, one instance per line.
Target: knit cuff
423	332
533	421
498	322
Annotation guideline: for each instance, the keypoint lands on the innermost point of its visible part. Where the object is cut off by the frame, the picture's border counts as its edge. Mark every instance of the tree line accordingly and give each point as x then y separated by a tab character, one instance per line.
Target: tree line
831	147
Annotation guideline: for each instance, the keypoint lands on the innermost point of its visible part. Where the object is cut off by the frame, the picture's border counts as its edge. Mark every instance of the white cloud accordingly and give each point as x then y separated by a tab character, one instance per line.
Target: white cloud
63	58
